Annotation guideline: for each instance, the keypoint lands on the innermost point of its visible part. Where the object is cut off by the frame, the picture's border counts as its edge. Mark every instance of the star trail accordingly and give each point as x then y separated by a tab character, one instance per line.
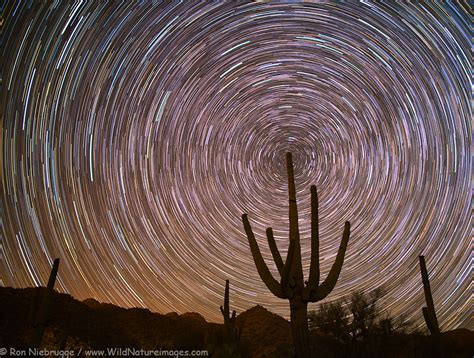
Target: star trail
135	135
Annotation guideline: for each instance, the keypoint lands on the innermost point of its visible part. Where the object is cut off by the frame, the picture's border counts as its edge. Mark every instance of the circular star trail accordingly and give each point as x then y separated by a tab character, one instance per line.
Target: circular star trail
135	135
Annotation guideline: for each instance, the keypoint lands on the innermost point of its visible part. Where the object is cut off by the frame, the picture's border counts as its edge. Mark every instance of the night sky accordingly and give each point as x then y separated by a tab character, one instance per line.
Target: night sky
135	136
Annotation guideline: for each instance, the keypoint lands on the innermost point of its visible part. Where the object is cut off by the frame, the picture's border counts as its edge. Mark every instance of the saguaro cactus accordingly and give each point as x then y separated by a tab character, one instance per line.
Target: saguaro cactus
429	311
42	315
233	332
292	285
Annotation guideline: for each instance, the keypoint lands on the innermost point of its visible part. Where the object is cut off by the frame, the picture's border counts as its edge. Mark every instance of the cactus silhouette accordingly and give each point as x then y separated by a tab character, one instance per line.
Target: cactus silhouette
43	312
429	312
232	332
292	285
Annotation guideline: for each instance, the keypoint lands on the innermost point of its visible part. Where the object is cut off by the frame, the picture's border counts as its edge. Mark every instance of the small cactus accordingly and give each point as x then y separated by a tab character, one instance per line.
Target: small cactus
429	312
232	332
43	312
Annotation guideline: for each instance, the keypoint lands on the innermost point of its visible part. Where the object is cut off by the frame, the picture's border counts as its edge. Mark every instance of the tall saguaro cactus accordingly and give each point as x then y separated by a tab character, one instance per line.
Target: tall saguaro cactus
429	311
233	333
292	285
42	315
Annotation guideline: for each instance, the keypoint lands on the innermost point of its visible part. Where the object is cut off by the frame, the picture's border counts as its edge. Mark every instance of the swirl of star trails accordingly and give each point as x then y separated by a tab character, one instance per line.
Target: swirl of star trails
135	135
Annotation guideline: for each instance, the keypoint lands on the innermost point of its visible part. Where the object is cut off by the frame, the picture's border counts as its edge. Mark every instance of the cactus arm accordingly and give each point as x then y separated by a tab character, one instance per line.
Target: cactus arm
53	274
297	269
426	282
313	280
274	249
427	319
285	276
226	299
43	313
265	274
326	287
429	311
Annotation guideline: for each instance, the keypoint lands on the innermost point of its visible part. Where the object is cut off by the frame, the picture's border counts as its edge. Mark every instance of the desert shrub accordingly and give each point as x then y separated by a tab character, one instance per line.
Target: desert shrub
365	314
389	325
331	319
356	318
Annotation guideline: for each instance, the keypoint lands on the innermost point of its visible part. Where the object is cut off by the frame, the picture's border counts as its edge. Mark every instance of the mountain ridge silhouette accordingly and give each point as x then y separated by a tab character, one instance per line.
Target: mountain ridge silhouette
92	324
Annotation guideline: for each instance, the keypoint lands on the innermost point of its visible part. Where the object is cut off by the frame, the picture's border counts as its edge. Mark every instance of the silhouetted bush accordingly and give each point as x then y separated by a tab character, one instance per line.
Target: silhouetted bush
365	314
356	326
332	319
356	318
